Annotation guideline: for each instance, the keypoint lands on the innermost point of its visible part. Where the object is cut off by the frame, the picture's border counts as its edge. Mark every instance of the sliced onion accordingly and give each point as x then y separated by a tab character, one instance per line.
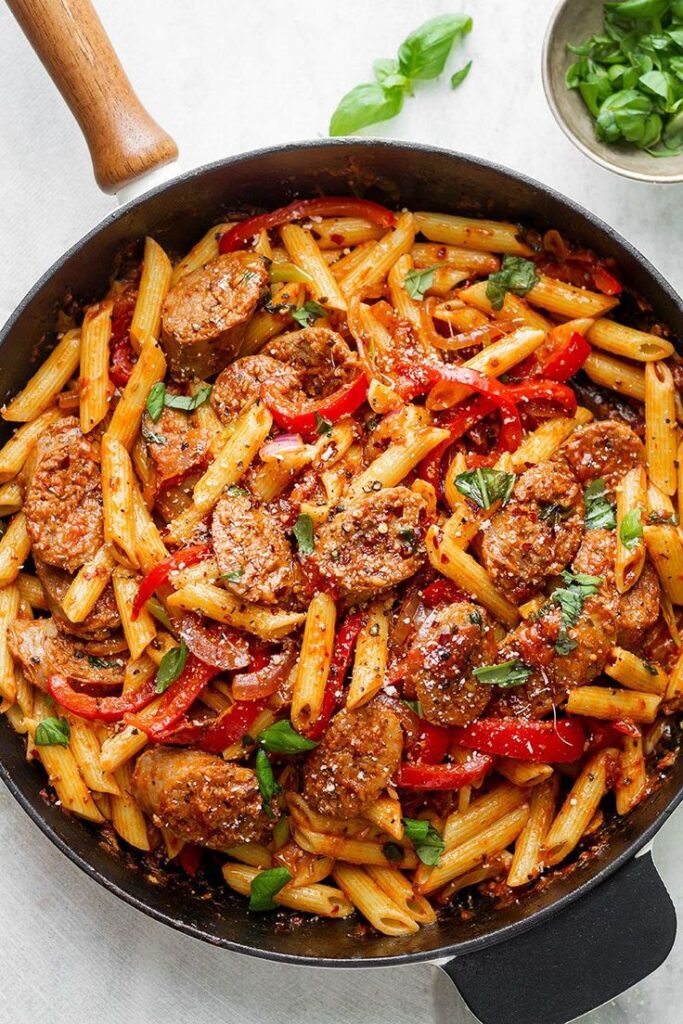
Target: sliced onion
216	645
283	444
265	681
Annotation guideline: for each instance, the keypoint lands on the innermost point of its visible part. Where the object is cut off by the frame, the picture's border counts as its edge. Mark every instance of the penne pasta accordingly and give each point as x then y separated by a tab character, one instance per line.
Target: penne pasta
9	608
15	547
379	258
62	769
514	310
606	702
117	501
323	900
11	498
580	805
626	378
205	250
526	861
218	604
661	428
154	285
88	585
46	383
472	233
373	902
450	560
370	662
394	464
126	817
631	507
631	782
314	662
94	382
628	343
304	252
567	300
385	813
141	631
542	443
148	370
14	453
635	673
665	548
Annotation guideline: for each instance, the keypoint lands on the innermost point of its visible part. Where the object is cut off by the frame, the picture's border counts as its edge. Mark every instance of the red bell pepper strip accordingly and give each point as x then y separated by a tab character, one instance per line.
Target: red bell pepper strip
457	421
443	592
565	361
102	709
561	742
180	696
301	419
190	858
609	734
432	743
511	426
231	726
546	391
329	206
605	282
344	646
160	573
443	776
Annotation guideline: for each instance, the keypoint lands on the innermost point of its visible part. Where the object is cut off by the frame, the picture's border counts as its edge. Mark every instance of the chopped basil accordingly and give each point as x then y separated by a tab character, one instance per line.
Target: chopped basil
308	313
267	785
516	275
417	282
553	514
506	674
393	852
237	492
631	529
428	843
281	738
571	598
233	576
322	426
170	667
409	538
414	704
103	662
459	76
475	618
52	732
485	486
155	400
600	512
265	885
303	532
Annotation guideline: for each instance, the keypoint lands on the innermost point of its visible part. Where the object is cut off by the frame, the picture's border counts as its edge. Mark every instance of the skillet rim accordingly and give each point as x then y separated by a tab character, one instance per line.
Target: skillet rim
31	804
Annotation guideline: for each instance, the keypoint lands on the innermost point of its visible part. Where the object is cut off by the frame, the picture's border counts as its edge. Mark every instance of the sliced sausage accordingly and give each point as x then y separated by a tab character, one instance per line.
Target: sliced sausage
201	798
253	553
177	444
205	316
42	651
537	533
607	449
451	642
239	384
321	359
377	542
63	504
356	759
99	624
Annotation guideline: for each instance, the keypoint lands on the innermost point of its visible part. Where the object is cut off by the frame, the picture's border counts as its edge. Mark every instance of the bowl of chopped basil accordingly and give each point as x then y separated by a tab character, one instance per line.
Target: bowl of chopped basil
613	77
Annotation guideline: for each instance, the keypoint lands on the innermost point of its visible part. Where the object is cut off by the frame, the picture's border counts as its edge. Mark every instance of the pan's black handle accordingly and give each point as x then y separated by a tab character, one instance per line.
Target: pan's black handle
589	953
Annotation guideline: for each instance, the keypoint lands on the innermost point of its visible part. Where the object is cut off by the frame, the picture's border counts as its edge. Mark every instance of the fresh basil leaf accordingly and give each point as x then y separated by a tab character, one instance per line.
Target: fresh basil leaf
409	538
428	843
417	282
414	705
268	787
553	513
281	738
265	885
233	576
506	674
423	54
388	74
308	313
171	667
322	426
155	400
600	512
516	275
638	8
631	529
52	732
393	852
303	532
571	598
237	492
459	76
365	105
103	662
187	403
564	644
486	486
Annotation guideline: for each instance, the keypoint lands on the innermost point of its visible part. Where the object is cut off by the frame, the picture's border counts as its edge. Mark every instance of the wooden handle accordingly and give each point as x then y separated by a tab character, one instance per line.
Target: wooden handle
124	141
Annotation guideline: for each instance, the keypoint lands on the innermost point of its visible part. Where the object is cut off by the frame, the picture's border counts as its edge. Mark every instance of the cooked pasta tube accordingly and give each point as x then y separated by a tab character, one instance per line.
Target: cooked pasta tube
305	253
373	902
353	851
400	891
268	322
665	548
579	806
523	773
472	233
85	747
661	428
628	343
370	660
11	498
543	442
48	380
611	704
141	631
451	561
631	783
126	817
14	453
205	250
155	282
117	501
62	768
323	900
218	604
626	378
635	673
514	310
15	547
526	863
31	590
631	510
314	662
88	585
427	255
380	257
565	299
341	232
256	855
496	867
94	391
148	370
9	608
394	464
386	814
149	547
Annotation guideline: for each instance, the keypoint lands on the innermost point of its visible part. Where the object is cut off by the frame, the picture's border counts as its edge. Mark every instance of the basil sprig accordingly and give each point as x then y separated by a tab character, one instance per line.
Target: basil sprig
422	56
308	313
170	667
265	885
600	512
516	275
631	529
281	738
428	843
159	397
506	674
52	732
303	533
485	486
417	282
571	598
268	787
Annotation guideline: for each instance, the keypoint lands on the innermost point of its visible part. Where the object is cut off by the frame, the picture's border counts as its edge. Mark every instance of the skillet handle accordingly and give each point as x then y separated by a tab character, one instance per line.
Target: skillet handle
588	953
124	141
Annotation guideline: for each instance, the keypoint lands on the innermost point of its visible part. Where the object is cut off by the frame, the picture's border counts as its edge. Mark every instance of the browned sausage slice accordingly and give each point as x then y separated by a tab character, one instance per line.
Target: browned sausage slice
607	449
42	651
252	550
321	359
201	798
537	533
63	504
176	443
103	620
239	384
443	653
373	544
205	316
354	762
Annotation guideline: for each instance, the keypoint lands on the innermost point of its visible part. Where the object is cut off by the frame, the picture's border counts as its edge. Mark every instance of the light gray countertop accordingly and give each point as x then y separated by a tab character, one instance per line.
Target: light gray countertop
224	76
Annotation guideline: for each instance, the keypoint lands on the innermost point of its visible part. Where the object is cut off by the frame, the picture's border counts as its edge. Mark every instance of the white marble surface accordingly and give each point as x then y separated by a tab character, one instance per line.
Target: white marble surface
224	76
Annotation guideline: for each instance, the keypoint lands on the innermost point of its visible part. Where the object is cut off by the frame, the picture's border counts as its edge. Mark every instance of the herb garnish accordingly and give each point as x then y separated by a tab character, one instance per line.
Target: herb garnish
485	486
516	275
600	512
417	282
159	397
265	885
268	787
506	674
308	313
631	529
52	732
170	667
303	532
428	843
281	738
570	598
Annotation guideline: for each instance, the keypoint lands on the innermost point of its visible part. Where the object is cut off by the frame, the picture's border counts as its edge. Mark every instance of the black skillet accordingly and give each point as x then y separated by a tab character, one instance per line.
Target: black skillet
595	930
